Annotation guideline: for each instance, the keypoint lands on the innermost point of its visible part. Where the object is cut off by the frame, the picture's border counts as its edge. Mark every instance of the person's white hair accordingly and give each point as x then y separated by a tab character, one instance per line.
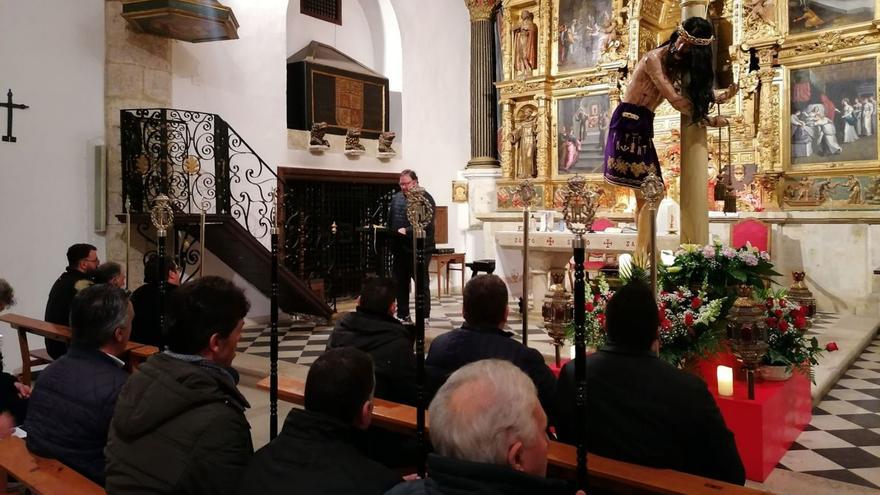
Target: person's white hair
481	410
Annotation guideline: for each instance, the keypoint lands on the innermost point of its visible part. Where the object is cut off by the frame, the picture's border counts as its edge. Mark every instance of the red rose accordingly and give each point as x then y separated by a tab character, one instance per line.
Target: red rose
665	324
769	302
800	322
778	313
696	303
783	325
601	318
689	319
597	298
799	311
831	346
771	322
589	307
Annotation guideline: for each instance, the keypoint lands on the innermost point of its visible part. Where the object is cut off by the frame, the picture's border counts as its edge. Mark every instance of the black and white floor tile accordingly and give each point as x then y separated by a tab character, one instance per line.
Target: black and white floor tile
842	442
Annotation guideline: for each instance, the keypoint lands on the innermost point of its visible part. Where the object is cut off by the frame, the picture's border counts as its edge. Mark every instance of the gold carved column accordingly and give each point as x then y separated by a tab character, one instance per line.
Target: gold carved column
483	125
694	162
543	144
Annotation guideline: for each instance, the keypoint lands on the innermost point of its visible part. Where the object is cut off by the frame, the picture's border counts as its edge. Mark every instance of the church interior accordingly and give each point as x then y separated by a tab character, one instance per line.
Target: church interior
278	144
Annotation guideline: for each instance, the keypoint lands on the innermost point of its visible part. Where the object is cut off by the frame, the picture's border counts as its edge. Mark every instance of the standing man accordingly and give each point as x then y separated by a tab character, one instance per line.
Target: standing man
402	245
82	261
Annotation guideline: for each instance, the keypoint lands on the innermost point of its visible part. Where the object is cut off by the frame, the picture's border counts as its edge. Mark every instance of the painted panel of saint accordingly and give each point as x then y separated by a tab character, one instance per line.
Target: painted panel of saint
806	16
834	113
583	29
582	126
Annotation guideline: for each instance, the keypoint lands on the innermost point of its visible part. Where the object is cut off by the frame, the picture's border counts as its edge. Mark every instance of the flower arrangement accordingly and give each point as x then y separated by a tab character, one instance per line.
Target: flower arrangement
717	269
787	343
595	336
690	327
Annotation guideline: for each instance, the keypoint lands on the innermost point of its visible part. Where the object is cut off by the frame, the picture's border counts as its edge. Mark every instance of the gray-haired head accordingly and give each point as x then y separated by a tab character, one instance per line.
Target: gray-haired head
95	314
7	295
107	271
483	410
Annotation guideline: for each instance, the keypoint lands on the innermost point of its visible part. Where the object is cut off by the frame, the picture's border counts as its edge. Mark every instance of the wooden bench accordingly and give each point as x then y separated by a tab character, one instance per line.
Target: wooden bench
606	474
61	333
40	475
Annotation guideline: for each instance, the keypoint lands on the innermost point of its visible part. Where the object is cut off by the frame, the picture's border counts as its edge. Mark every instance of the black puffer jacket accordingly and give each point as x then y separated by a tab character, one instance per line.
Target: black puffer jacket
315	455
58	305
389	344
179	428
71	407
398	220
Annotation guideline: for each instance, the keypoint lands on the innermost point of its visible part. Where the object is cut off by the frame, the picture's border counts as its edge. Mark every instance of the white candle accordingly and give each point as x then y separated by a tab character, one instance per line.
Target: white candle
573	353
725	381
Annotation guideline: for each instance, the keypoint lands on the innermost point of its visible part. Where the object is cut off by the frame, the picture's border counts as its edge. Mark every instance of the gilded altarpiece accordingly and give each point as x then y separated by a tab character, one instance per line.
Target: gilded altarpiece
803	133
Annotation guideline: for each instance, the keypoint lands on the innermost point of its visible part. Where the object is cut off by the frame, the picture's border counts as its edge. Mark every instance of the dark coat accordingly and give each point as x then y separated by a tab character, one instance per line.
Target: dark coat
71	407
179	428
465	345
448	476
642	410
389	344
58	305
145	328
9	400
397	220
315	455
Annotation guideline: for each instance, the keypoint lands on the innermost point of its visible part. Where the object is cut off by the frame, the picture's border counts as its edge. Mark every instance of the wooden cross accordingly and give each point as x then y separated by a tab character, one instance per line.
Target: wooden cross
9	138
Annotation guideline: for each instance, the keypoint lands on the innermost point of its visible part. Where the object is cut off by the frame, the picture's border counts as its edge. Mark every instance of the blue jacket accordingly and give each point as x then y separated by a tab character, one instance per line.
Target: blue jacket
465	345
71	407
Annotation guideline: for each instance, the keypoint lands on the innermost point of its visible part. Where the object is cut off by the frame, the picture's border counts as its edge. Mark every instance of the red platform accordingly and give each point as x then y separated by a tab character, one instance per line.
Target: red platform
765	427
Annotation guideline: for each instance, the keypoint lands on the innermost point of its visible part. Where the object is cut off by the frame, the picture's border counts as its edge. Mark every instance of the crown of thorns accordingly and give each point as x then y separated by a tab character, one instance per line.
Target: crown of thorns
693	40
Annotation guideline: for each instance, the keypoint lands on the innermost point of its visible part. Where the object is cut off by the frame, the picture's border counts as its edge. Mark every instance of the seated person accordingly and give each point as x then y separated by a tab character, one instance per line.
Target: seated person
373	329
82	260
488	430
641	409
485	312
179	424
13	394
146	328
111	273
316	452
72	404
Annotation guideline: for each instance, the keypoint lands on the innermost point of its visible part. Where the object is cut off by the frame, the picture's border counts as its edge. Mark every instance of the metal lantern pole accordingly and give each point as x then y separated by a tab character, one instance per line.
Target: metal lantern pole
420	213
526	193
652	190
162	217
127	242
273	329
579	211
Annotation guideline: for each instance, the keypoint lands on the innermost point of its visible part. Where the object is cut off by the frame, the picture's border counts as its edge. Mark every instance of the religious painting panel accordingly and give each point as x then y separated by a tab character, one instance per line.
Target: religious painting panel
831	116
509	199
850	191
810	16
584	31
581	127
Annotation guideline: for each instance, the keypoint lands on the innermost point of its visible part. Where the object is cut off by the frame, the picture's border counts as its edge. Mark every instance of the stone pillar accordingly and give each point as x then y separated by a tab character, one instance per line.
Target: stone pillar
694	162
483	121
137	74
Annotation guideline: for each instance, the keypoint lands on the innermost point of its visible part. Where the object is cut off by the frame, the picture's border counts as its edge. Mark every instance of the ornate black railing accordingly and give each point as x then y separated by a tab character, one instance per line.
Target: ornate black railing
198	161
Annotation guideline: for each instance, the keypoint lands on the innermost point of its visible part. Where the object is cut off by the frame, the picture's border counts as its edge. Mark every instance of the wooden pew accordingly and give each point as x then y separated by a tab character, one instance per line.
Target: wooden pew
607	474
138	355
42	476
61	333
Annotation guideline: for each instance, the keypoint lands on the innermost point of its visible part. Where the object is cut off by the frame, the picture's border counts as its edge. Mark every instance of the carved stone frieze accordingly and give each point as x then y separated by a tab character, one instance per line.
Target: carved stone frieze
829	42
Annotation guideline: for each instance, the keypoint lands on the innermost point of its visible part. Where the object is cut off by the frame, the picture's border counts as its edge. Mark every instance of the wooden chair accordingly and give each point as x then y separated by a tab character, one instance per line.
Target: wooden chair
40	475
751	231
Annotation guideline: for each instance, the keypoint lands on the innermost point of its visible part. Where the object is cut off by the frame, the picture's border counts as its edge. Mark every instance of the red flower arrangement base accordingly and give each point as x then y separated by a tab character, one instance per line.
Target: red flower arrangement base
764	428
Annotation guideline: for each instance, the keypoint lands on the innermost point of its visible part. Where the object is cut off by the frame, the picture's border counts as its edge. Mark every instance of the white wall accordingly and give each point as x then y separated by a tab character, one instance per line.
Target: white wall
244	81
52	57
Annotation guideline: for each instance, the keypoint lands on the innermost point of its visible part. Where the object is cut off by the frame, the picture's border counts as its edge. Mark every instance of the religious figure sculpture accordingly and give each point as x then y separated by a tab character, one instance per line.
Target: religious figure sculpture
613	34
316	136
525	54
629	152
353	144
855	190
525	142
385	140
823	191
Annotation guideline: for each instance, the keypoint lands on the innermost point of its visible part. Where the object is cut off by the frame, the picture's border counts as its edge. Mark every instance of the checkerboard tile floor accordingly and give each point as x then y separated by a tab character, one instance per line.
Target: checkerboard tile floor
303	347
842	442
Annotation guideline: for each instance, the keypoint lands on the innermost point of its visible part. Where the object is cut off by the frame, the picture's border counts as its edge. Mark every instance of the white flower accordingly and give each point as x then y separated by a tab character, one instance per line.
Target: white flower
729	253
765	256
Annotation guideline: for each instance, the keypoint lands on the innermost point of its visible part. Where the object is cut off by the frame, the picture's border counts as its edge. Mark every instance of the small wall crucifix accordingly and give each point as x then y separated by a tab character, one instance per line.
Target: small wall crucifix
9	138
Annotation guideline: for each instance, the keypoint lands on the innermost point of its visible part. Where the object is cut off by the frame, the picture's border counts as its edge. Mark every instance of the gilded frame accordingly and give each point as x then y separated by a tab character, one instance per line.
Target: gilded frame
784	15
556	129
615	29
831	166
